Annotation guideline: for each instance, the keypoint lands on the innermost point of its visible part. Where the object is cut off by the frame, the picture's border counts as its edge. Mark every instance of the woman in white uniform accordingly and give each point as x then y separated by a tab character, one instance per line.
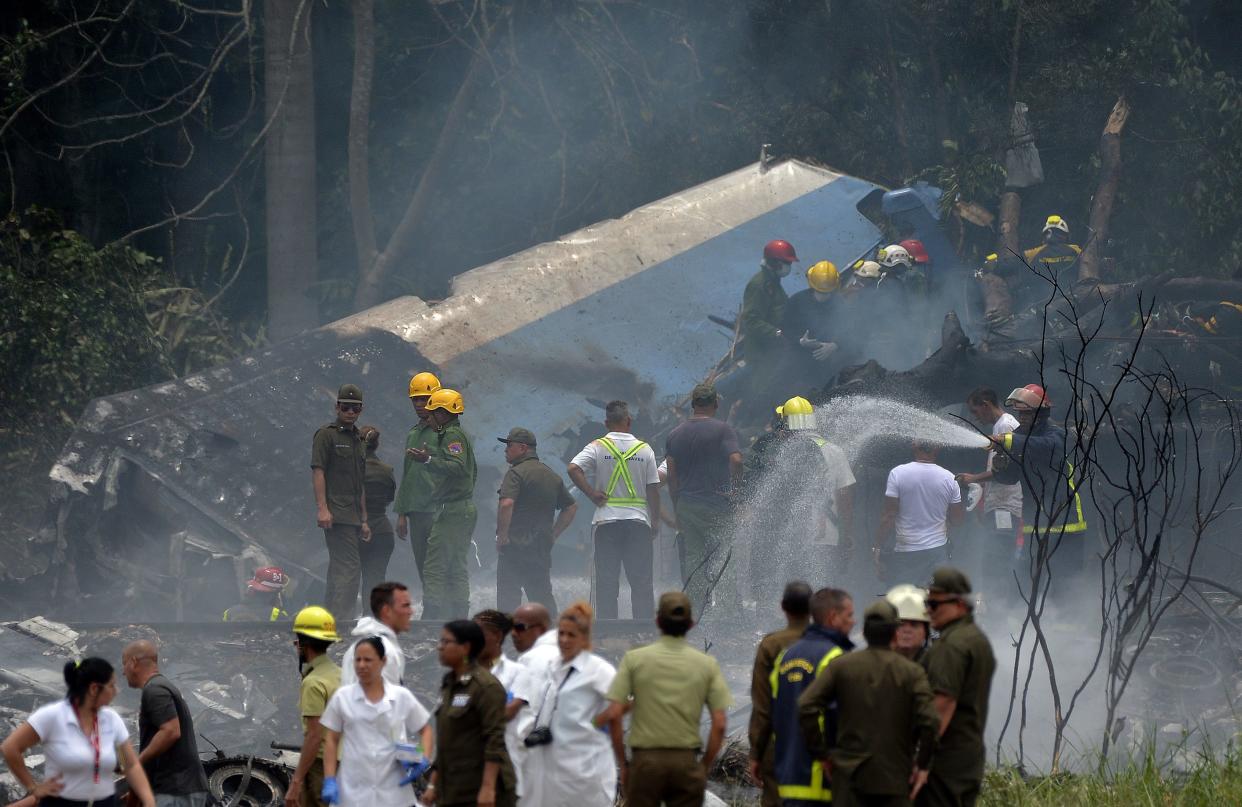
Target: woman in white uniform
576	768
367	720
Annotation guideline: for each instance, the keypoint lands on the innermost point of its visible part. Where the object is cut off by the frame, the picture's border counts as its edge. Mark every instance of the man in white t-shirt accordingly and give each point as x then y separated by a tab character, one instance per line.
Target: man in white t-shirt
618	473
921	501
1001	526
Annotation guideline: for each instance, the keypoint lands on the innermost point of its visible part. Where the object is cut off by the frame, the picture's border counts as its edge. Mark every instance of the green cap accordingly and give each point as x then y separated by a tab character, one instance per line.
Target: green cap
704	395
519	435
948	580
675	605
349	393
881	611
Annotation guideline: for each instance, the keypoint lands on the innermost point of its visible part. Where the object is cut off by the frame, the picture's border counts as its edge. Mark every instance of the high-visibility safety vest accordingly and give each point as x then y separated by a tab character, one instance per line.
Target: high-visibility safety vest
621	473
275	615
798	776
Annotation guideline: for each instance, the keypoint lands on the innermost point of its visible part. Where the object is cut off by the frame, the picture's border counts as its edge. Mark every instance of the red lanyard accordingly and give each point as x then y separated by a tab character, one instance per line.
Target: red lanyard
94	737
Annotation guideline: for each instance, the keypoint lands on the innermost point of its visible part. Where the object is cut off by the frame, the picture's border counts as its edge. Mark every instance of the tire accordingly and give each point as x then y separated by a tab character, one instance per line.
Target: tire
267	786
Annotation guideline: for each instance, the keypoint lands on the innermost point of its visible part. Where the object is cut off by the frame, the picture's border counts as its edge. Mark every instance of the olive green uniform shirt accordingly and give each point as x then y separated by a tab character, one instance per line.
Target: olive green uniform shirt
452	467
537	493
884	712
763	311
670	683
417	484
381	486
470	730
340	452
319	683
960	664
761	685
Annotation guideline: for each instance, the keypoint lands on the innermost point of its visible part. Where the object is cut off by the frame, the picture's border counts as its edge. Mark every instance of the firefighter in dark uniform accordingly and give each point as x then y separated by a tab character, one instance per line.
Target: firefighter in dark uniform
415	512
796	603
1056	254
763	320
472	764
959	666
380	487
338	468
886	723
262	599
801	778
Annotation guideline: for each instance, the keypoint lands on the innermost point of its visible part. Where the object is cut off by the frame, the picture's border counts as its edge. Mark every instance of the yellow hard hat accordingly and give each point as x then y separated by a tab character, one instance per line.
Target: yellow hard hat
423	385
908	600
795	406
1055	222
317	623
449	399
823	277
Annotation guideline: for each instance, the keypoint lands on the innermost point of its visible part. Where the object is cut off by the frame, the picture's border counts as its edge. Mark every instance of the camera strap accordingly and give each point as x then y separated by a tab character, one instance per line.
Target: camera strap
555	699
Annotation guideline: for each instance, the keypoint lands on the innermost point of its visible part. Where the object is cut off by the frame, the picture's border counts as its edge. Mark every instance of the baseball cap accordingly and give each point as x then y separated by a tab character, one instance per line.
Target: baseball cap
881	611
948	580
349	393
703	394
675	605
519	435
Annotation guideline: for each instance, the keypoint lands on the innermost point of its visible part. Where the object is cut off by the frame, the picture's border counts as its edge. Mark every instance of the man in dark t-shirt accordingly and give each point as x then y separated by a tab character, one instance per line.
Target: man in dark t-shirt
167	749
704	471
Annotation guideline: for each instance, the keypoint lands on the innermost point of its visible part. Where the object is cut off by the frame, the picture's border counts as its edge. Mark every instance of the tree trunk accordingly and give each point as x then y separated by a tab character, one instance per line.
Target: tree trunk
1014	47
370	283
899	98
289	92
944	133
359	128
1105	193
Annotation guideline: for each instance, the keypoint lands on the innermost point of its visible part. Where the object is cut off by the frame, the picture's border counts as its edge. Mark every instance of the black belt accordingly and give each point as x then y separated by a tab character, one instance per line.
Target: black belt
57	801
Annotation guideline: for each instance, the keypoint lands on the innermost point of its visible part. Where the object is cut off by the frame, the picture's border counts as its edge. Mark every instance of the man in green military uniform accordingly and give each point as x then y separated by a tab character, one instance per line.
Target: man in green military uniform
531	493
960	667
450	462
415	512
796	603
763	317
886	724
314	631
338	471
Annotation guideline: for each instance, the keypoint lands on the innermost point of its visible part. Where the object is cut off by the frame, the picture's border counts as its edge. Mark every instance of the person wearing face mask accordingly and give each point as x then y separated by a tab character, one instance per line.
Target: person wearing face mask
338	474
577	764
762	324
811	318
364	724
314	631
83	740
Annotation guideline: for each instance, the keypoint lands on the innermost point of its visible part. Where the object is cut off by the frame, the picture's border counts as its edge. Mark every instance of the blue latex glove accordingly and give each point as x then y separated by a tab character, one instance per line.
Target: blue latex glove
331	790
413	770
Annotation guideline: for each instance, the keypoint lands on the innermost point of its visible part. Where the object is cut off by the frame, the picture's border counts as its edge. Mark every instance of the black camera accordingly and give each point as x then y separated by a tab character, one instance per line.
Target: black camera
540	735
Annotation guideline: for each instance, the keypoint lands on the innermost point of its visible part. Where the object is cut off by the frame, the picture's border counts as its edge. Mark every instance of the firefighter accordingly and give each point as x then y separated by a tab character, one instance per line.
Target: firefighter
809	317
1035	455
314	631
449	459
801	778
914	629
1051	258
415	512
763	320
262	599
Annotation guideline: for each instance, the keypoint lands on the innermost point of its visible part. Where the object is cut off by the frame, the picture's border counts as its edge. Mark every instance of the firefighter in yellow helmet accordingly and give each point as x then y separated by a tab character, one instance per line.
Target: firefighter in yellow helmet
1056	254
809	314
314	630
415	511
449	459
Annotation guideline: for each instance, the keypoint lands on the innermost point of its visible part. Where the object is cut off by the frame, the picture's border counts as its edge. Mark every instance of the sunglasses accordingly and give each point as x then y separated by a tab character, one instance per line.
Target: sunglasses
932	605
349	407
521	626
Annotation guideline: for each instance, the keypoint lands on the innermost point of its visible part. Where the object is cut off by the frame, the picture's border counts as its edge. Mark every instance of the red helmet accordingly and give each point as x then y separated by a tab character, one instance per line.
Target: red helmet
268	579
779	250
1032	396
917	250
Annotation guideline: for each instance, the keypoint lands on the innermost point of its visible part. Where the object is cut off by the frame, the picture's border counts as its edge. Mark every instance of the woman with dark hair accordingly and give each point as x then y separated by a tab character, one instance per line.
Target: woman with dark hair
83	739
373	716
380	488
472	764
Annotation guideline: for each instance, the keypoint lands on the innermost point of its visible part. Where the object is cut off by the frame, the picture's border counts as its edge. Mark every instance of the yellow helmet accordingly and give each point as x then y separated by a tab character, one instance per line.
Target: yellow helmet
317	623
423	385
1055	222
449	399
798	413
908	600
823	277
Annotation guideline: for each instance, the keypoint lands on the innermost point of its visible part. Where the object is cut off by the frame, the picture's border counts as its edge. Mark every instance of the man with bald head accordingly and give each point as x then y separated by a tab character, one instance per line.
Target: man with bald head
166	745
535	640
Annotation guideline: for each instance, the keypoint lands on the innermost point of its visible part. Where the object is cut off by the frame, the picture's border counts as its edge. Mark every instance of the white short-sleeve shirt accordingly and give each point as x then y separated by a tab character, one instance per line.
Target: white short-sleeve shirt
839	476
998	496
597	463
369	774
70	753
925	491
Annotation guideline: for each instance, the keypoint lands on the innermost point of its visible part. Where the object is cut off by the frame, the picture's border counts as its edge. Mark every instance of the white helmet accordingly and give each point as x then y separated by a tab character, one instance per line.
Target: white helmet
892	255
908	600
868	270
1055	222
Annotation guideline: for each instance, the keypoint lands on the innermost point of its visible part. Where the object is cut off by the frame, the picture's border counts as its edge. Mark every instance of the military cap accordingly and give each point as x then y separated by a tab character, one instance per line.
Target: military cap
349	393
675	605
881	611
948	580
519	435
703	395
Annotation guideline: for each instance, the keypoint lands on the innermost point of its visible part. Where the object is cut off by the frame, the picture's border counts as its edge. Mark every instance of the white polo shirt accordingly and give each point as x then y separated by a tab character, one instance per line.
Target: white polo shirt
598	462
369	774
70	753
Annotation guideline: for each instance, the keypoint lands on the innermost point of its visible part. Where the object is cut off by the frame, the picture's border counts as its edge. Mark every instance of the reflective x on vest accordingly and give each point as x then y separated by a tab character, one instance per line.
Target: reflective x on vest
621	473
